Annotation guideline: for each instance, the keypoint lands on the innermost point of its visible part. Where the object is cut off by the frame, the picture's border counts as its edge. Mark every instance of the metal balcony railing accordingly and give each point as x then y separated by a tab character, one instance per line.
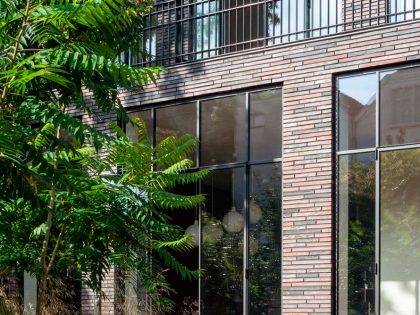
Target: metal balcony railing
186	30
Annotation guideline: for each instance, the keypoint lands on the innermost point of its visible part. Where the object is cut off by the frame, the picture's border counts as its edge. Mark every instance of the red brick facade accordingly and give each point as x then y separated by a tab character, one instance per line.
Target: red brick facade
306	71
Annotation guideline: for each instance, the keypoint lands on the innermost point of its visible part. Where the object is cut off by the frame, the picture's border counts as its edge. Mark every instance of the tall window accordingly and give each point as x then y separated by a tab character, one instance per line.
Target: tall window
240	223
185	30
379	192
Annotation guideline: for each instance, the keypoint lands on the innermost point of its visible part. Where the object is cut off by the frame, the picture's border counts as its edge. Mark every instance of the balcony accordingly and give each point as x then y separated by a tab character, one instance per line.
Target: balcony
179	31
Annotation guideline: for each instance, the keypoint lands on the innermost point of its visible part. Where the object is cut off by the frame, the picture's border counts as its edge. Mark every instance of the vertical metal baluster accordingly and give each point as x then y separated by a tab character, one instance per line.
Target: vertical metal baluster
281	22
216	29
337	12
414	10
328	16
236	23
229	47
243	24
297	20
273	4
361	14
255	7
320	17
396	10
208	28
167	57
344	14
149	37
288	22
202	29
312	17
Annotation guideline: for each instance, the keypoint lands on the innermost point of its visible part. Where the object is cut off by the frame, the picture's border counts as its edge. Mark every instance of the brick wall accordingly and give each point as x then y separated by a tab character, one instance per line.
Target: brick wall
306	70
363	13
91	302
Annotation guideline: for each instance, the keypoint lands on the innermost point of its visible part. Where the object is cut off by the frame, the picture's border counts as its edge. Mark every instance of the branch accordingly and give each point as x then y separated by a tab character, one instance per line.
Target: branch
16	47
55	250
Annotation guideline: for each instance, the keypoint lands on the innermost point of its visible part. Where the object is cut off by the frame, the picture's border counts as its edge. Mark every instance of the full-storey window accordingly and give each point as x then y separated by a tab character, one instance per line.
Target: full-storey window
379	192
240	223
185	30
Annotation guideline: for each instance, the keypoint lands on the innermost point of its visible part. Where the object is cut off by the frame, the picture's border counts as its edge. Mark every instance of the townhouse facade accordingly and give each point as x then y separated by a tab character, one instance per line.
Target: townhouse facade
308	114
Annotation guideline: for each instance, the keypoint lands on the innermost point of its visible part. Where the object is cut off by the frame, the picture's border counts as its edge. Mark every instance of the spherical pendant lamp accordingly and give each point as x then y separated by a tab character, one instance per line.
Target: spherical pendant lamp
255	213
233	221
194	231
212	233
252	245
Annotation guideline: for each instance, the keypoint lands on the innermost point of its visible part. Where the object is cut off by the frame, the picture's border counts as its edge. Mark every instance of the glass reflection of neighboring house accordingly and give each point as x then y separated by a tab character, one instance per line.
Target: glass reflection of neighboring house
400	124
356	127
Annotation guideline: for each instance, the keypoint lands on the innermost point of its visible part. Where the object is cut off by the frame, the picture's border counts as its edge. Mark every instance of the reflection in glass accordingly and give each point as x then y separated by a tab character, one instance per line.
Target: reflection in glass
176	121
223	130
402	10
207	28
131	129
265	125
400	106
357	234
356	101
400	232
185	291
324	13
264	242
221	254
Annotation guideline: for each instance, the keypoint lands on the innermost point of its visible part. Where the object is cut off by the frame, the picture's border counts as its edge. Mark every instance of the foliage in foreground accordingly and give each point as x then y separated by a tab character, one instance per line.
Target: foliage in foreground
65	208
102	216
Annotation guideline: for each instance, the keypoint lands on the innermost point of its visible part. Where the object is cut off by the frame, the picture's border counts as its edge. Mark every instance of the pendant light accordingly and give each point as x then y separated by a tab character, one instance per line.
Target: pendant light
194	231
212	232
233	221
255	212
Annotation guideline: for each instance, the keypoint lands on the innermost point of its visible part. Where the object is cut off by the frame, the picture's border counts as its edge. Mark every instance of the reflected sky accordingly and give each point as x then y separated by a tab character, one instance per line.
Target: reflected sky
361	88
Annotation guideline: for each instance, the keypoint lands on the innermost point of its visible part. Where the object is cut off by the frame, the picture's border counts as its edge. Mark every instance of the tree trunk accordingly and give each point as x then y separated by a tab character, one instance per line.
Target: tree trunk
45	268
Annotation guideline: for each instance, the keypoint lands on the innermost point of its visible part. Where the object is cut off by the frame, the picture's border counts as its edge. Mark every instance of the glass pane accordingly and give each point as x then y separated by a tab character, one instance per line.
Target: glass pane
185	293
264	244
176	121
400	232
356	234
400	106
222	234
265	125
131	129
356	102
223	130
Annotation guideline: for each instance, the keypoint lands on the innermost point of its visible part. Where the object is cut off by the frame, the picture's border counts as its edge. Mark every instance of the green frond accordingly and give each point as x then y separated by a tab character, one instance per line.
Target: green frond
171	150
167	200
181	245
46	136
179	268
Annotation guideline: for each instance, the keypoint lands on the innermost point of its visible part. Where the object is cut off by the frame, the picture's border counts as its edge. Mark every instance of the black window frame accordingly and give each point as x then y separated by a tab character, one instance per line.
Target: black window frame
246	165
376	150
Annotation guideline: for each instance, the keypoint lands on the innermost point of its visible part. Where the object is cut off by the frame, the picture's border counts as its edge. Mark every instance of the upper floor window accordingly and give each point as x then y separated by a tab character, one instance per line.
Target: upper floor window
186	30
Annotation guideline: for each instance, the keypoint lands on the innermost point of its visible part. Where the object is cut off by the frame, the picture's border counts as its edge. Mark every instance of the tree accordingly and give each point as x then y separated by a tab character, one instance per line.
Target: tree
65	205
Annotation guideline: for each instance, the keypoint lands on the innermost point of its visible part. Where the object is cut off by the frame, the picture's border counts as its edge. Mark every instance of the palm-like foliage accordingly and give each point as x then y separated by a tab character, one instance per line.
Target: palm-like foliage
65	205
102	215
